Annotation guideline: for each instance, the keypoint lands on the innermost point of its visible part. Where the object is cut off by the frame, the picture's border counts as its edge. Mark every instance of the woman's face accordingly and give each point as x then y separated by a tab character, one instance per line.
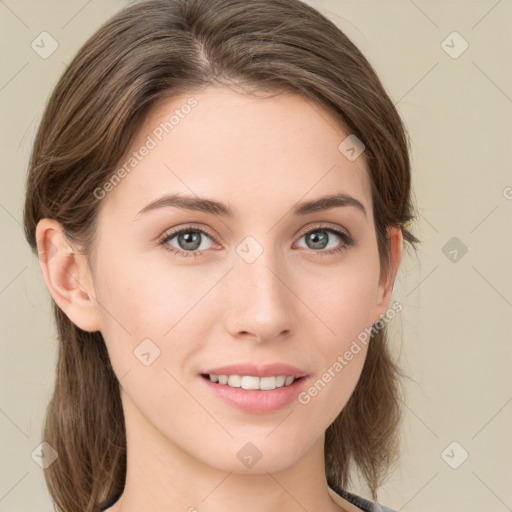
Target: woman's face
261	285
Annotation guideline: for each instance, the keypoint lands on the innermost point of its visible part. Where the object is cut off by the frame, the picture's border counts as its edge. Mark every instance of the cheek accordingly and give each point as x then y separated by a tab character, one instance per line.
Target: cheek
128	307
140	296
141	302
343	305
343	298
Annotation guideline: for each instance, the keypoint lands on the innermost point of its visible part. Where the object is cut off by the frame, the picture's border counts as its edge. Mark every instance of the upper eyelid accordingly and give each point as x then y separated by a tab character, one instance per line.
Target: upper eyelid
326	225
170	233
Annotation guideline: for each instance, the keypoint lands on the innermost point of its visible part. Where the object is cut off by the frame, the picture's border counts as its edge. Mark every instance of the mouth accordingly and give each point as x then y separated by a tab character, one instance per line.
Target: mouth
255	395
251	382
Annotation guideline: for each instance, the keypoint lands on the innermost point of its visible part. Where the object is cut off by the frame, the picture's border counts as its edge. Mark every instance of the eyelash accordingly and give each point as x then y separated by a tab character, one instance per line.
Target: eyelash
347	240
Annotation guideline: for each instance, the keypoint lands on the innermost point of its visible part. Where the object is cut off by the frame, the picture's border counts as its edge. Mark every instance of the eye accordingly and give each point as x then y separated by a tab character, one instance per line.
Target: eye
188	239
319	238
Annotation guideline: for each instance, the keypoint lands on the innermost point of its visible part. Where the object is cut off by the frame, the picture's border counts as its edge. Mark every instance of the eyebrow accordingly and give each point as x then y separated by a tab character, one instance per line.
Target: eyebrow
220	209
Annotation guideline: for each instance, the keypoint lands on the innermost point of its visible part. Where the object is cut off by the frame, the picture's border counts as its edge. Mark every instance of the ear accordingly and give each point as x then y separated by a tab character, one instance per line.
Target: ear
387	281
67	275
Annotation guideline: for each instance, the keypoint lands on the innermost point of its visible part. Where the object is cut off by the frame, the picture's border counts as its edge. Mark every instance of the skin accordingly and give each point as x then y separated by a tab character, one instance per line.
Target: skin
260	156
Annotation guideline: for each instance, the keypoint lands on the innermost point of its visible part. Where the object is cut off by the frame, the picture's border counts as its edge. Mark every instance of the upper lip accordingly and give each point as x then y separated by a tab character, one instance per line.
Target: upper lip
264	370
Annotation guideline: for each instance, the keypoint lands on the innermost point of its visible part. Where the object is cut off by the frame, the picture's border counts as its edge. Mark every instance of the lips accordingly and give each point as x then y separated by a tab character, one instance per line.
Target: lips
256	401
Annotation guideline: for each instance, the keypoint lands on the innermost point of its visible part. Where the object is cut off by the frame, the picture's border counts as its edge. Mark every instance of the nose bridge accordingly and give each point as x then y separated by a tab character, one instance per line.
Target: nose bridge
260	301
257	270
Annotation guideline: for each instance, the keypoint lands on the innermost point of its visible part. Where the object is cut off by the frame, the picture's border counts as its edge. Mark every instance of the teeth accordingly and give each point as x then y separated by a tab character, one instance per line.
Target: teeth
250	382
288	380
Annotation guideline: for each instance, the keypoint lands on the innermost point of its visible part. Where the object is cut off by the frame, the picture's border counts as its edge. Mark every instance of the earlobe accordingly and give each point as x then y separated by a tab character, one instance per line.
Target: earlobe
66	275
387	282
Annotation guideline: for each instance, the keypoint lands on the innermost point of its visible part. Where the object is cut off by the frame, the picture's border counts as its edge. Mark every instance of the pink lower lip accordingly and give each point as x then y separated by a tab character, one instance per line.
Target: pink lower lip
254	400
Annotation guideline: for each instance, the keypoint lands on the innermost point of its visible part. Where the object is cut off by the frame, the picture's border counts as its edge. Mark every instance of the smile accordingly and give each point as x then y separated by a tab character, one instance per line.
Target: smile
252	382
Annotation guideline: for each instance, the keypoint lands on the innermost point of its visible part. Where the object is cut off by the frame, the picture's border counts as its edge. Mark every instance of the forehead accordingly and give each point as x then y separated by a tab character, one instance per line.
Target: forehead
250	151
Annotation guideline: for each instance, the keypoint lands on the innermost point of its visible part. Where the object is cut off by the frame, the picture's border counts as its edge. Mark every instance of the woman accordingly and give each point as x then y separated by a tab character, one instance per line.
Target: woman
219	192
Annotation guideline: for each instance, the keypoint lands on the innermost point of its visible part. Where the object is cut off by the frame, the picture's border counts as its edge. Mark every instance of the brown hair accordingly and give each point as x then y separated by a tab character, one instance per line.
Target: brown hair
153	50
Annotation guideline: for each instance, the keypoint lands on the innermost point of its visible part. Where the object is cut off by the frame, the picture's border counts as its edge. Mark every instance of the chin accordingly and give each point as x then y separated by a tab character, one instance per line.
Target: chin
257	458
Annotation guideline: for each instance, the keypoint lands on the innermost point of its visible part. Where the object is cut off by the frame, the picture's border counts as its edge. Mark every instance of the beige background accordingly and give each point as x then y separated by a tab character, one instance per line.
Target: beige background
457	316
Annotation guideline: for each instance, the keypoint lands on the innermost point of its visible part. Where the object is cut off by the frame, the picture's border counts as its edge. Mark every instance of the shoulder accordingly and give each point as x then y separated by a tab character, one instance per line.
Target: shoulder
362	503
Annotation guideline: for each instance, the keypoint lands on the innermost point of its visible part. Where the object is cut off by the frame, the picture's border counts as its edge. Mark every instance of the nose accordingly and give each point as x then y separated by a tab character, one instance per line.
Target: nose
260	301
